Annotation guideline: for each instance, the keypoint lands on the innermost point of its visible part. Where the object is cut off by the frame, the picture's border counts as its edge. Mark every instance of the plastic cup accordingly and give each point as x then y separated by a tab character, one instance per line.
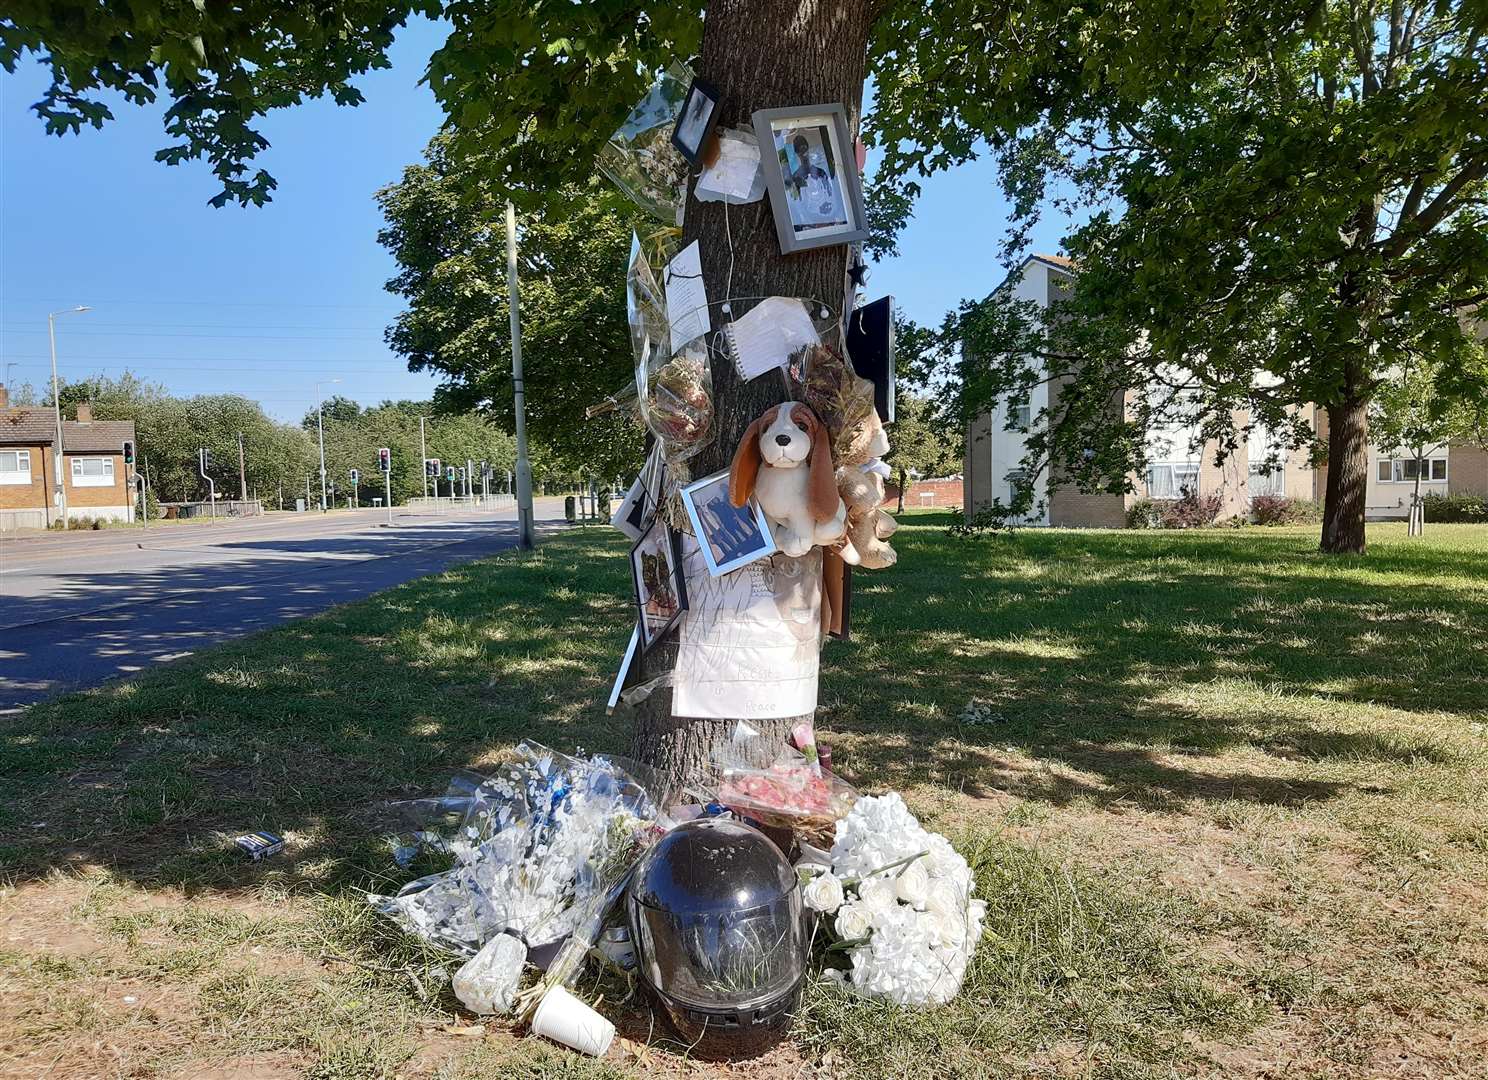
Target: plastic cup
565	1019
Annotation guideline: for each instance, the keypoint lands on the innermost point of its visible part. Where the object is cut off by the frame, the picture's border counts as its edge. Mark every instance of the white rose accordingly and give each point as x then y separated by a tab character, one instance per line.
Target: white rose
946	900
913	885
878	894
823	894
853	922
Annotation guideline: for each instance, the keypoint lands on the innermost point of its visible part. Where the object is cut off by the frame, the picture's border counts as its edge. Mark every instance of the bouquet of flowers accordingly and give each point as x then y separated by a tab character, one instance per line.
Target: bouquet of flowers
540	849
780	785
898	900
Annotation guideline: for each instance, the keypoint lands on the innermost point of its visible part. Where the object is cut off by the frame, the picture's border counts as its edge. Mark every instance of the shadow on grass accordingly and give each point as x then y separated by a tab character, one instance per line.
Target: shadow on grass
1110	654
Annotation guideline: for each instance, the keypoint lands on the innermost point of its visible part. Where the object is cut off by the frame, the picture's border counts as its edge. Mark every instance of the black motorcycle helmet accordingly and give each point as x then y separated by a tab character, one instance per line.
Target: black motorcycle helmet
720	935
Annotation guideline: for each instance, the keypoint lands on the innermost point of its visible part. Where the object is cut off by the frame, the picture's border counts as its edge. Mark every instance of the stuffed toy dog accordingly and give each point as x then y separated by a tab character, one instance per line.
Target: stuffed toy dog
861	486
784	461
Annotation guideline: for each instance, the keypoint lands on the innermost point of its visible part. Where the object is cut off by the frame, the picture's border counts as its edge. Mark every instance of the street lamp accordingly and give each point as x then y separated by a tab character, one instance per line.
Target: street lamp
61	493
320	429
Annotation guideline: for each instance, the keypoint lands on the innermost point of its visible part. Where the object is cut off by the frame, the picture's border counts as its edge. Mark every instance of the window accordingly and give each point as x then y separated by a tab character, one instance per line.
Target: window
1021	413
92	472
1171	479
15	467
1266	480
1403	470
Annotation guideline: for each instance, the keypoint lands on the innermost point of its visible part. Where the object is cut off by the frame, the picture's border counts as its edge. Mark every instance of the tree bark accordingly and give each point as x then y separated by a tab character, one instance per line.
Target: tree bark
760	54
1348	477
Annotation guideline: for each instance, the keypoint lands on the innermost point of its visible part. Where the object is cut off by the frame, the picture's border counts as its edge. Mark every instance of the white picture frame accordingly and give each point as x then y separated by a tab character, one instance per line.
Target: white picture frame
728	536
624	673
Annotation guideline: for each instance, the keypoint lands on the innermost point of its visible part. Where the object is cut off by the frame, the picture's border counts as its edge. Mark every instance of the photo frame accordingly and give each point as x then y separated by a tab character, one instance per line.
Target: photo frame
729	536
622	677
695	122
660	587
811	174
870	347
634	511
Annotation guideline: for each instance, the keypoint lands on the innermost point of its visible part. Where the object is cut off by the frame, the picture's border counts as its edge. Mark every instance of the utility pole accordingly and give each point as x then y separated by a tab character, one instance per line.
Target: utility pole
307	491
424	458
59	497
242	475
524	468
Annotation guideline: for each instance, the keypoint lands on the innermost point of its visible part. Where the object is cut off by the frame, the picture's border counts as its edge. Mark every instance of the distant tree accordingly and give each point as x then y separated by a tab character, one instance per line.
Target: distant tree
336	407
920	445
446	229
1285	202
1411	416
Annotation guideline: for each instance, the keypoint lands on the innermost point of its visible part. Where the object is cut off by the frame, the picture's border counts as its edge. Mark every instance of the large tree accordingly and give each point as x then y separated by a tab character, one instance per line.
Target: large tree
1286	201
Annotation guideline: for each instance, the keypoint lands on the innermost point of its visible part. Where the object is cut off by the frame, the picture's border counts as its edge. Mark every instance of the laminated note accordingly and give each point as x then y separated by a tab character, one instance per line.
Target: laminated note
765	338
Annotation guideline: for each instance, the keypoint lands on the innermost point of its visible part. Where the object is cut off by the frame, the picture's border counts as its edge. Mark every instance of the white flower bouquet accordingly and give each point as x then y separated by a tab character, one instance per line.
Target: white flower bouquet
540	848
898	900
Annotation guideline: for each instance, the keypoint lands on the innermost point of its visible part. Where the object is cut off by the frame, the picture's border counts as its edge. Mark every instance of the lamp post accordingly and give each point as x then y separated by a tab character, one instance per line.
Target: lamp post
61	492
524	469
320	430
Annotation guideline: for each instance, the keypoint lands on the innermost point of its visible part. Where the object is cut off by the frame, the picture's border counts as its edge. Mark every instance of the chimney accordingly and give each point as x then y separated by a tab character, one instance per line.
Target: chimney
4	397
84	413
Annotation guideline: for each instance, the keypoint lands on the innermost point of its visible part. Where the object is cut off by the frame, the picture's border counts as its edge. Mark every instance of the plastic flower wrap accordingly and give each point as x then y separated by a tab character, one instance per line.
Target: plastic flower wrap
539	849
674	391
900	902
640	159
779	785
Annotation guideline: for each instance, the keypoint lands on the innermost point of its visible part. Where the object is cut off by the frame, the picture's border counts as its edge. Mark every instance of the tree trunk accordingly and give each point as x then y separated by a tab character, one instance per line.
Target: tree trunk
1348	476
902	478
760	54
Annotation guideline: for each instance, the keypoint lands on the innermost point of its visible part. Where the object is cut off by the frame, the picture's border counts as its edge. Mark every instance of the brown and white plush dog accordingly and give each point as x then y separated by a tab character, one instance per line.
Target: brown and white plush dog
784	460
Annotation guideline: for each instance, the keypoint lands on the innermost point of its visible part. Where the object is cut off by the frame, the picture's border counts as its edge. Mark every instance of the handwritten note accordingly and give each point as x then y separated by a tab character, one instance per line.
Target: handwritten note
687	299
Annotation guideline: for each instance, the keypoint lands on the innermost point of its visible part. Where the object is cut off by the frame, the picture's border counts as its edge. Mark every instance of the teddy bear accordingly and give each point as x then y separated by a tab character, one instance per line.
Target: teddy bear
844	401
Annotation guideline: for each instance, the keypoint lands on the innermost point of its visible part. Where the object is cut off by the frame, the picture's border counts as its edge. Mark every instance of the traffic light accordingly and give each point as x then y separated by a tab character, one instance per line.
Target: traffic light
206	459
431	466
384	459
356	477
450	474
128	451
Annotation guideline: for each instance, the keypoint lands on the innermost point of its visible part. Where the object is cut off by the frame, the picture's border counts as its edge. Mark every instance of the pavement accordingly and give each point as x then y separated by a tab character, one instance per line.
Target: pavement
77	609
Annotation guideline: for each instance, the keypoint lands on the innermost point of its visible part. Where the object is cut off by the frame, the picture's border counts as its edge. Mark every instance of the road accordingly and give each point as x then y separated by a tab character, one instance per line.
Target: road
79	608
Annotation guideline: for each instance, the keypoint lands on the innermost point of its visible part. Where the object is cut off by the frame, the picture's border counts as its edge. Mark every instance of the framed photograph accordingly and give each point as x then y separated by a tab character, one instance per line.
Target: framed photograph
812	178
661	592
622	678
696	121
870	347
730	536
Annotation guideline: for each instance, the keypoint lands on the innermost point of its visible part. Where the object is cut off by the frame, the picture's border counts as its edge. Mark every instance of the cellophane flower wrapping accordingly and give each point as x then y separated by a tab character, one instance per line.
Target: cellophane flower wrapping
910	931
537	847
640	159
779	786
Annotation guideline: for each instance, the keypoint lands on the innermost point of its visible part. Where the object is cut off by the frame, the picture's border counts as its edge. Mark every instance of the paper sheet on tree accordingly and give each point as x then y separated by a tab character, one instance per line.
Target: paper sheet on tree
749	639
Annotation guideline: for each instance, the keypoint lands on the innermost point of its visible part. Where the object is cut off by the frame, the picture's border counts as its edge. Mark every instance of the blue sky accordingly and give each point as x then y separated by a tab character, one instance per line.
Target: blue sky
264	302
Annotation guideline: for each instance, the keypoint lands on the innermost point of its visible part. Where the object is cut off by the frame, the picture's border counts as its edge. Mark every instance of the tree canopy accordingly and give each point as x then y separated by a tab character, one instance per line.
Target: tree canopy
446	229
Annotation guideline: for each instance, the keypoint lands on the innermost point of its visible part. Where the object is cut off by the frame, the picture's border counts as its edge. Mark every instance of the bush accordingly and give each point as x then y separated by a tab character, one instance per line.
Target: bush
1190	512
1193	511
1446	509
1280	510
1144	514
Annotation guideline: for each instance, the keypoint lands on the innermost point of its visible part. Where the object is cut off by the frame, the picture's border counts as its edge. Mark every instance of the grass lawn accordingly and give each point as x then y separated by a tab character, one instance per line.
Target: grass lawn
1227	799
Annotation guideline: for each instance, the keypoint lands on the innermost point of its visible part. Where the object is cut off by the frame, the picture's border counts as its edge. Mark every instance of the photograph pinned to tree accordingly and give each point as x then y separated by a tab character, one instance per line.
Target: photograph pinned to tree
661	593
815	192
642	498
694	127
729	536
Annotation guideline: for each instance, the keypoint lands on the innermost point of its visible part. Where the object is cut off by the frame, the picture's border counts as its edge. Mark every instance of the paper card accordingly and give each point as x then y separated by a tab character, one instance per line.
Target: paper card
764	339
686	297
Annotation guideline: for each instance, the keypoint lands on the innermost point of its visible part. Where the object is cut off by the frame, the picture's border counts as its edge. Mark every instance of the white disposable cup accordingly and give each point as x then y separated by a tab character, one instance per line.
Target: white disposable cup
564	1018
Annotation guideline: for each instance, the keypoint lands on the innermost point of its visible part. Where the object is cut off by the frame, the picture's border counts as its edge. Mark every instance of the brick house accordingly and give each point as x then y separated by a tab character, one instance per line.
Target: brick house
1177	462
97	482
